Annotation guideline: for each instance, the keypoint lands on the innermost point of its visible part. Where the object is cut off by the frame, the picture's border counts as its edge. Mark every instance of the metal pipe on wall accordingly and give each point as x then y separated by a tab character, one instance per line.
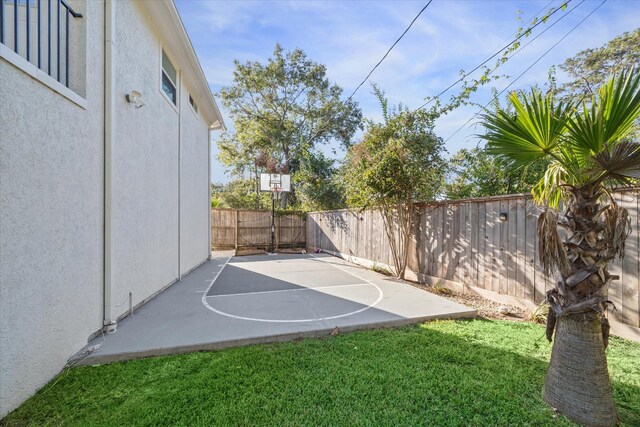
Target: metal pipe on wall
109	318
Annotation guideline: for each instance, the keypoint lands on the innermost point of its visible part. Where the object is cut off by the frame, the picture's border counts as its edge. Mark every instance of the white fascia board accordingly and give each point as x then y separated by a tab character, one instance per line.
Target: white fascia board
167	24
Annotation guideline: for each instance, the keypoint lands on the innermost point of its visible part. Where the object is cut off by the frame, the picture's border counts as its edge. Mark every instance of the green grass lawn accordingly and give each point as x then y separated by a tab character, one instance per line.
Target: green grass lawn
467	373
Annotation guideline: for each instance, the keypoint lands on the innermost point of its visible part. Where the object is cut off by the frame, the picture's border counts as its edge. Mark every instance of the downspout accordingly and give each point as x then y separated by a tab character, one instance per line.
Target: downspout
178	95
109	318
217	125
209	192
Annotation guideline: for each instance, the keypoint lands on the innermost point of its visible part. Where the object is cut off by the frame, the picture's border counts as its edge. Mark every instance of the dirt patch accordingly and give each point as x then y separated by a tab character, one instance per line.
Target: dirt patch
485	307
250	251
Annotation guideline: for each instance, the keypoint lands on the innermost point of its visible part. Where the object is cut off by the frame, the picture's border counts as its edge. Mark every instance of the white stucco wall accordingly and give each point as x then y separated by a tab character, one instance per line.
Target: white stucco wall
146	227
51	212
194	189
145	169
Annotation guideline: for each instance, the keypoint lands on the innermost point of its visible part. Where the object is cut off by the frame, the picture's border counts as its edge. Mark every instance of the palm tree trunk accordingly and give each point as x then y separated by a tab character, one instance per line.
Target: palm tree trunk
577	382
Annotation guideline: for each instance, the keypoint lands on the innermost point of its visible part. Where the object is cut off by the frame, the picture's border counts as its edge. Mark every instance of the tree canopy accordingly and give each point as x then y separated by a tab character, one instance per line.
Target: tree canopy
398	162
590	68
476	173
282	111
585	144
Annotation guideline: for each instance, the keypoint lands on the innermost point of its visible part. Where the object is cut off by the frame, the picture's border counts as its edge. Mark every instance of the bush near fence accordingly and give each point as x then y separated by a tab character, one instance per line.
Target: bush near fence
463	245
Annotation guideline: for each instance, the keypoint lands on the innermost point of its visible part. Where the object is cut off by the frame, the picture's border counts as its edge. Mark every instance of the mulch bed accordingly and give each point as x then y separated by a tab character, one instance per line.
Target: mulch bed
485	307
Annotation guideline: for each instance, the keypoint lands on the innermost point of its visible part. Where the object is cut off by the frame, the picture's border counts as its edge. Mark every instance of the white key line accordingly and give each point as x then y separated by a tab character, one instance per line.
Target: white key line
287	290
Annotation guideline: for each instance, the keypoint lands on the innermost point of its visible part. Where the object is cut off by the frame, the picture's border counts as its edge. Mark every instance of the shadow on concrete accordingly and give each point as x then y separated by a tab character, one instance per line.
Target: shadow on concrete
261	302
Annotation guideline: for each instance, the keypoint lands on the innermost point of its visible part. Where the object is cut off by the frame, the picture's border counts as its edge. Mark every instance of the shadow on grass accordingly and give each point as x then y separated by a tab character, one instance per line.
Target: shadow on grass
454	373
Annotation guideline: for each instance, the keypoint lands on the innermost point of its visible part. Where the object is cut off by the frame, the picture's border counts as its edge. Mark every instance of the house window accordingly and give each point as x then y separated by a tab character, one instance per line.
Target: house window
193	104
169	78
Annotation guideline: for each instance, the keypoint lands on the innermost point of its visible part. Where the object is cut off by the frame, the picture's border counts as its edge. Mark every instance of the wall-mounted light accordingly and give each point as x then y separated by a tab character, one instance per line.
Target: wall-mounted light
503	216
135	98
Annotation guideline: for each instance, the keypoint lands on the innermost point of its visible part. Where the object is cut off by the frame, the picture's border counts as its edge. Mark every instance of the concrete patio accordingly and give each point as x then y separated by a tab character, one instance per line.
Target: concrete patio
233	301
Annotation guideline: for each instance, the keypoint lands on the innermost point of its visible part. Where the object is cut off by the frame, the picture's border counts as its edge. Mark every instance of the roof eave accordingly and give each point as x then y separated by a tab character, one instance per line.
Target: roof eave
207	105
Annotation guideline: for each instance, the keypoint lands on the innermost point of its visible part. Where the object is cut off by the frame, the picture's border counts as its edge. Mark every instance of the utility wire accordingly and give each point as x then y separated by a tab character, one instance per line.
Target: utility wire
546	29
388	51
527	31
527	69
529	22
514	54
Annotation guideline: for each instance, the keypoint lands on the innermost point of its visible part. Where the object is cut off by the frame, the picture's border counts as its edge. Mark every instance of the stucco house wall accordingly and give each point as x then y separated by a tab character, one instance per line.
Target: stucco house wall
56	215
51	219
195	204
145	167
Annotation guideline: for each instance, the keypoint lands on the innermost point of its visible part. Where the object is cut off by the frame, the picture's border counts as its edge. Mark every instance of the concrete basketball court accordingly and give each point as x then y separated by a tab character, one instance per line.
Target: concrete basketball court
267	298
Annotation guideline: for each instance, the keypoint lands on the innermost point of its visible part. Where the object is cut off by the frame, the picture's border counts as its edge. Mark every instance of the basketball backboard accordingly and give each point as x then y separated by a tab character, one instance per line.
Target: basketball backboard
275	182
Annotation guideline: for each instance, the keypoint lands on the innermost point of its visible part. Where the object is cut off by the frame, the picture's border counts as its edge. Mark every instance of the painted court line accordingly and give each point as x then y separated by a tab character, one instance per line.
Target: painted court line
380	296
204	295
286	290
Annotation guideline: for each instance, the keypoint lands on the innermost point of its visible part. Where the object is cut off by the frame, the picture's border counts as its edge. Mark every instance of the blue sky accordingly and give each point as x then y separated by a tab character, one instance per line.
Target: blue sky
350	37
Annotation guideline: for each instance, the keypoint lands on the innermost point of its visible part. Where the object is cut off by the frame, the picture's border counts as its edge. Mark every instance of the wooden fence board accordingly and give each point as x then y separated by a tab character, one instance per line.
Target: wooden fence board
520	261
615	288
629	279
495	247
482	246
467	257
233	228
512	248
504	247
530	255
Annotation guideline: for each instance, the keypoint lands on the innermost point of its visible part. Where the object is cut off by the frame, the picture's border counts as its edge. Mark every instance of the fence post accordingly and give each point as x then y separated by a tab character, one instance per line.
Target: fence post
236	230
277	223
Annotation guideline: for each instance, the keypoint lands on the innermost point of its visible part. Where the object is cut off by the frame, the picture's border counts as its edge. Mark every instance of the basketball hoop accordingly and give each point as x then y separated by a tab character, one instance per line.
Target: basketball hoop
275	192
276	184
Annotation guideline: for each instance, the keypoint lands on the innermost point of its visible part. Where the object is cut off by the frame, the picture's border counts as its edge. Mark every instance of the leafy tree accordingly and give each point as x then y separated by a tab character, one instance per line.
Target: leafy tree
282	111
216	202
476	173
239	193
318	184
590	68
397	163
588	151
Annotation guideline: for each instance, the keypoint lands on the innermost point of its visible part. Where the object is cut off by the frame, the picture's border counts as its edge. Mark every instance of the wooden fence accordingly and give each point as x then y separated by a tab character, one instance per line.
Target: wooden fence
464	244
246	228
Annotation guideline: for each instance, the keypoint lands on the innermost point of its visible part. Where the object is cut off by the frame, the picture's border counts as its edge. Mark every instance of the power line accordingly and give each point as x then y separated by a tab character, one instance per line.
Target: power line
529	22
527	69
527	31
514	54
546	29
388	51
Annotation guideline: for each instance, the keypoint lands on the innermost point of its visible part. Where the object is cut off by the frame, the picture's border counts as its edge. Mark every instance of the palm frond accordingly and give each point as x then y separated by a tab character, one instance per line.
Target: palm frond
548	191
619	163
551	249
608	118
532	133
617	228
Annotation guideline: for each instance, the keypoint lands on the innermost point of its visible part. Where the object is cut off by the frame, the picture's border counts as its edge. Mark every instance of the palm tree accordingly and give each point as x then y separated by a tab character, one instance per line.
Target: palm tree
591	147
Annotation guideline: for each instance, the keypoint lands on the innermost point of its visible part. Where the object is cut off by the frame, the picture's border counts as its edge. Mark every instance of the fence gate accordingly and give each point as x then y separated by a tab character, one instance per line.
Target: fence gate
247	228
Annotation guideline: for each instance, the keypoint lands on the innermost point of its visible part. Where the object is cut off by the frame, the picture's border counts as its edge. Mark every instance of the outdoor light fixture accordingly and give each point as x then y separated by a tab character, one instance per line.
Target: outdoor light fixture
503	216
135	98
